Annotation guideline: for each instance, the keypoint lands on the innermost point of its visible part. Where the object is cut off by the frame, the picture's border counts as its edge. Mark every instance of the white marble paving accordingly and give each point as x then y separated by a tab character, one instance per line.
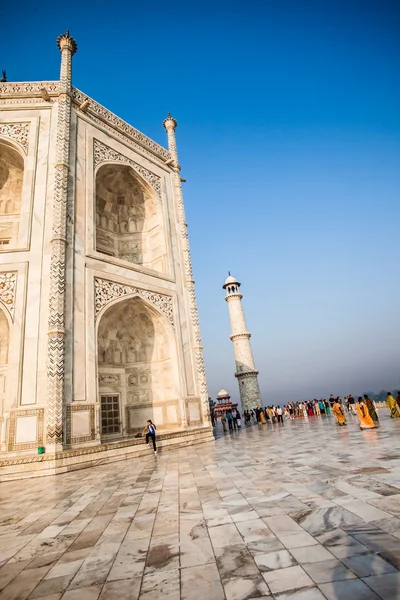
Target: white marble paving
239	520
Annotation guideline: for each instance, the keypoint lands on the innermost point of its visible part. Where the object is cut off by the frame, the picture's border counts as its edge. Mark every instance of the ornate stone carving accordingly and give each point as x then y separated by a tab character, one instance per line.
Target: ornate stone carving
28	88
110	380
103	153
17	132
118	125
8	283
107	291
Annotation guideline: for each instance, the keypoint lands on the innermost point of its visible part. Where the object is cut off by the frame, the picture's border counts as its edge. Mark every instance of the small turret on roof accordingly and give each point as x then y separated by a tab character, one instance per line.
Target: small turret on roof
230	280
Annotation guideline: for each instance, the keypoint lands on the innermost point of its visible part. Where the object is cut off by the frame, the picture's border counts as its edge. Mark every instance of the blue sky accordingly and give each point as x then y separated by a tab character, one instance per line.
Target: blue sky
289	139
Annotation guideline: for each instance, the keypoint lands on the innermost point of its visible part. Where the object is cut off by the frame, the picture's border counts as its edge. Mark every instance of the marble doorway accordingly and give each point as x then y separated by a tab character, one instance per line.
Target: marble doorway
137	369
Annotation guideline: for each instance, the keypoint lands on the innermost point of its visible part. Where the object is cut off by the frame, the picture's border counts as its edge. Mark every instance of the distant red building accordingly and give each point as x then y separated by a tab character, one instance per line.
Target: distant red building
223	403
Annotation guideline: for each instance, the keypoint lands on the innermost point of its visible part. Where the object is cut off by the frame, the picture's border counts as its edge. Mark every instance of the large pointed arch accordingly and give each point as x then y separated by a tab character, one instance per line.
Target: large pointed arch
138	377
129	217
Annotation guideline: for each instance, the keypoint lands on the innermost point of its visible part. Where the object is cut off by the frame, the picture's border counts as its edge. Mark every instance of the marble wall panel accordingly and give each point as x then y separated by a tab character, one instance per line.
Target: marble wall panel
193	411
26	429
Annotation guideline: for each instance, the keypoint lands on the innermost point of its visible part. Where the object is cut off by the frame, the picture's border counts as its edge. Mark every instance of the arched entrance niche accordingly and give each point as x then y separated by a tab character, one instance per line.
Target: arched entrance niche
137	369
129	220
11	180
4	353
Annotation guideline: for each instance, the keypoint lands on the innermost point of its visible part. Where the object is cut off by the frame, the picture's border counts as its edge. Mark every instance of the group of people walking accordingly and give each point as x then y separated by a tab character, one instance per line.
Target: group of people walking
364	408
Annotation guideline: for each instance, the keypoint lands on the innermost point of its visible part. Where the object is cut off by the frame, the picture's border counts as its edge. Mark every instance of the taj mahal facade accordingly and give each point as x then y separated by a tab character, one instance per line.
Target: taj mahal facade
99	328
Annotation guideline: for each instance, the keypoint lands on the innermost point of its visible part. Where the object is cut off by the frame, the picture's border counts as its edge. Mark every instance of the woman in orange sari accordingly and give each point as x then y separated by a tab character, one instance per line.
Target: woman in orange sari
339	413
363	414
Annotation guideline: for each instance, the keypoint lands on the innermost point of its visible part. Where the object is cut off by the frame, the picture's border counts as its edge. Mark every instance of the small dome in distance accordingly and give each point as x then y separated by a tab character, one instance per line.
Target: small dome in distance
223	394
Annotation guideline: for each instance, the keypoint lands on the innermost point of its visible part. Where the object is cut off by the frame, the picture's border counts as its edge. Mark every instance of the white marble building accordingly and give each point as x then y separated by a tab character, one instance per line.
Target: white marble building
246	373
98	320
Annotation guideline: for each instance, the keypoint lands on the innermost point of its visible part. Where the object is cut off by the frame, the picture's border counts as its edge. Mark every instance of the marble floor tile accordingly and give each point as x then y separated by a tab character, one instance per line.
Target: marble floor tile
161	584
235	561
130	560
386	586
51	586
242	518
24	584
311	554
91	592
254	530
344	550
296	540
245	588
353	589
282	524
201	582
290	578
265	546
368	564
305	594
163	554
225	535
219	521
126	589
196	552
328	570
275	560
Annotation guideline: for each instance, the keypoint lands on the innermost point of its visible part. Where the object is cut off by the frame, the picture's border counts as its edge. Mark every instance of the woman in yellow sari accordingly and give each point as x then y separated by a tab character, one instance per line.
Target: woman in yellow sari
391	402
363	414
262	416
339	413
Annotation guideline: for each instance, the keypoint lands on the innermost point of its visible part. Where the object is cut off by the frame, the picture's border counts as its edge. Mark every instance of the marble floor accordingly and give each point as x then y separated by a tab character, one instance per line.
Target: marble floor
304	511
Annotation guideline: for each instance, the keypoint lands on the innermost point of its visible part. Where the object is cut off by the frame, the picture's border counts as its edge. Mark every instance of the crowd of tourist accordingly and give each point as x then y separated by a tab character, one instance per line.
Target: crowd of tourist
363	407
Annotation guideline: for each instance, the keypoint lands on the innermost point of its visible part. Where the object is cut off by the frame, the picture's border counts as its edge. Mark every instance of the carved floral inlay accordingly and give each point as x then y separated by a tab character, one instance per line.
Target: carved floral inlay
103	153
107	291
18	132
8	282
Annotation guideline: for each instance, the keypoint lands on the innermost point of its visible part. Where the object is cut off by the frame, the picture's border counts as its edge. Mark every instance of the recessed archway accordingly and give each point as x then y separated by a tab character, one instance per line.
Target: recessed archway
11	181
137	369
129	222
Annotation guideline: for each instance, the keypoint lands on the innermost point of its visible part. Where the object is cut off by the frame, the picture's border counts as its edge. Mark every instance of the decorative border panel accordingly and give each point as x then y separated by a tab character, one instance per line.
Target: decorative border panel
12	445
28	88
8	283
103	154
17	132
107	291
70	408
114	123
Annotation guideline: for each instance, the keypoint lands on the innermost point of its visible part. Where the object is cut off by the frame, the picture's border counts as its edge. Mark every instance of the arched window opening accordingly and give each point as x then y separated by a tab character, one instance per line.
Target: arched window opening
11	180
129	223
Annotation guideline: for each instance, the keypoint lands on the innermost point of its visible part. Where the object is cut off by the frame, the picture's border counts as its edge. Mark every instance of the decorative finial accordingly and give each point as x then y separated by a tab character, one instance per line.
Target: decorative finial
170	122
229	273
4	78
66	41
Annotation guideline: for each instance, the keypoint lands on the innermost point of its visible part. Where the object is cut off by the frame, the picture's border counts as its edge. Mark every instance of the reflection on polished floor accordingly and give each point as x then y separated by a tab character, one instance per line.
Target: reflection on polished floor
304	511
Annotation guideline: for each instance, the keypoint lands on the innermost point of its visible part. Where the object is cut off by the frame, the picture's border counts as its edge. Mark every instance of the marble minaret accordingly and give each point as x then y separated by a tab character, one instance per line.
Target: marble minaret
246	372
